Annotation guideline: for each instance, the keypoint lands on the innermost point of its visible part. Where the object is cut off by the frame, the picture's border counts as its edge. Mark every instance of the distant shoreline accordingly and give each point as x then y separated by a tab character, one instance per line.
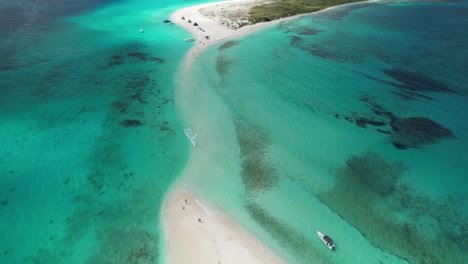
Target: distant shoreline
221	21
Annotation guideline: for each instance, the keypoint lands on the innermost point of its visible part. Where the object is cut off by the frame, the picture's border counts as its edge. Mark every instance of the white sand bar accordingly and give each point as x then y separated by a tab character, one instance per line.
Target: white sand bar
198	233
216	238
217	21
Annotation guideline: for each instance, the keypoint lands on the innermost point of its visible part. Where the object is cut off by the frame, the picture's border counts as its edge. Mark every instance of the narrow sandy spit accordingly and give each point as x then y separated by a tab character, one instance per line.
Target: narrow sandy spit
194	230
216	237
198	233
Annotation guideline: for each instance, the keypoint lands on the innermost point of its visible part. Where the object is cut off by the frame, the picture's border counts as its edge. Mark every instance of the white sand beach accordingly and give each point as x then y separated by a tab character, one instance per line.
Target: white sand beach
217	22
198	233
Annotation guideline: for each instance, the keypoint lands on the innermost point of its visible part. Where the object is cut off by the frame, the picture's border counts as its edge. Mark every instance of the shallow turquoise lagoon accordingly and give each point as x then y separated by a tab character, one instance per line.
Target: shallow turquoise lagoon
352	122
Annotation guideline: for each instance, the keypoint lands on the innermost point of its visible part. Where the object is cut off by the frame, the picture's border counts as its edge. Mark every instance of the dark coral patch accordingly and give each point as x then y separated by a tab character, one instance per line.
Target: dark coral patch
156	59
121	106
411	95
131	123
323	52
308	31
138	82
223	65
295	40
374	183
363	122
376	173
131	246
415	81
383	131
415	132
115	60
119	59
284	234
229	44
257	174
138	55
376	108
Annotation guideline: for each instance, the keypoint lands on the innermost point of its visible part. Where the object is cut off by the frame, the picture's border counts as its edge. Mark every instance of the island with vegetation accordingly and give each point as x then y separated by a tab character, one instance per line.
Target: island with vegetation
285	8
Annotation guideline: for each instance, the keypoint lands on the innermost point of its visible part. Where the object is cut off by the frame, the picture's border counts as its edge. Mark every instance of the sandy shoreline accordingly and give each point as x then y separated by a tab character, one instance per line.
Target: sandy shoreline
198	233
220	21
216	22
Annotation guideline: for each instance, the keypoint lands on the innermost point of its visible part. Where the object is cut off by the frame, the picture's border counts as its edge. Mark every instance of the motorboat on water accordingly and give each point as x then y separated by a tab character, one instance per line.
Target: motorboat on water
326	240
192	136
189	39
141	30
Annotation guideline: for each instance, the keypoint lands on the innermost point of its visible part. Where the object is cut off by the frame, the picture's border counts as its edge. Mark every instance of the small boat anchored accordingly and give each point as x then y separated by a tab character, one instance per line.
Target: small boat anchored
326	240
189	39
192	136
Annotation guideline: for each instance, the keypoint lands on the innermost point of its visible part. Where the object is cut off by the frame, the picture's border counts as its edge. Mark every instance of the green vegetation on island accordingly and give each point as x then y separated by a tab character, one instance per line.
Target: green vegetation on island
285	8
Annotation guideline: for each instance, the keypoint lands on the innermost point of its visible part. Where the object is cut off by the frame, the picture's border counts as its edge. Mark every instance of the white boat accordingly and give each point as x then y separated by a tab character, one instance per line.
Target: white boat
192	136
189	39
326	240
141	30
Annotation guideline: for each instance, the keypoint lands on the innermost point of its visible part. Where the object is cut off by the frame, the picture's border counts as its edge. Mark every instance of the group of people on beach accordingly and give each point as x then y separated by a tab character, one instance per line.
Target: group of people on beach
183	208
196	24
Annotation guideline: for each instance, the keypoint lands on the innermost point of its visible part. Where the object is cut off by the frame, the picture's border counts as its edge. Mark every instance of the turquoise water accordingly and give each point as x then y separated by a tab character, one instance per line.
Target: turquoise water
350	121
320	109
90	135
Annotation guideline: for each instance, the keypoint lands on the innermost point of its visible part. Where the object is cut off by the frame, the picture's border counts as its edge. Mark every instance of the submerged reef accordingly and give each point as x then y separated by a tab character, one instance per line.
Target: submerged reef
371	170
116	206
414	132
229	44
131	246
131	123
393	216
286	235
257	174
412	85
404	133
414	81
223	62
144	57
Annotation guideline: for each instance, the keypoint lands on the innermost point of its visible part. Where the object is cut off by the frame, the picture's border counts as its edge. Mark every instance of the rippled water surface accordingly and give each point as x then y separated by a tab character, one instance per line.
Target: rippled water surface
90	135
351	122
